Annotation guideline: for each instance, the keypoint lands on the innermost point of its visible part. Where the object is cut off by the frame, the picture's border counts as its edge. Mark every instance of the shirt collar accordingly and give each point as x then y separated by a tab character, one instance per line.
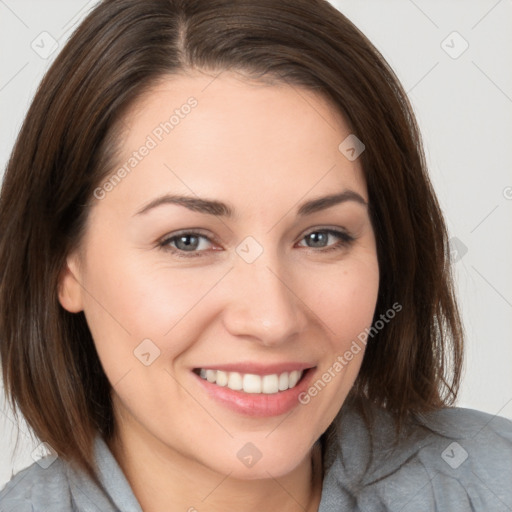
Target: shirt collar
116	494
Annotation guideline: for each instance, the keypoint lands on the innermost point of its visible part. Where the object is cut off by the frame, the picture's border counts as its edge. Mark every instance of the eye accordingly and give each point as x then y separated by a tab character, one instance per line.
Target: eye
320	237
189	244
186	244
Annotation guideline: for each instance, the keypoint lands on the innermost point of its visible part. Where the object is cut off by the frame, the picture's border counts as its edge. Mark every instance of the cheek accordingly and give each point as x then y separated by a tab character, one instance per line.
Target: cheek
346	310
129	301
346	300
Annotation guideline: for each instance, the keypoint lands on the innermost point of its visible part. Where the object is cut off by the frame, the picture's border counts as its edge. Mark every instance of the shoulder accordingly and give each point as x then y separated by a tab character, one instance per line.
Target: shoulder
453	459
53	484
42	486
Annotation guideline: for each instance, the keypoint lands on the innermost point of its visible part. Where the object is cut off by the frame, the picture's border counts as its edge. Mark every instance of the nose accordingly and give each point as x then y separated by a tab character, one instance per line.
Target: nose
264	303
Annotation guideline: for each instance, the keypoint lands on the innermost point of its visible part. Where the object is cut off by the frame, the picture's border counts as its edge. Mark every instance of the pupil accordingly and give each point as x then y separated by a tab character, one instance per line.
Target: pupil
182	239
316	237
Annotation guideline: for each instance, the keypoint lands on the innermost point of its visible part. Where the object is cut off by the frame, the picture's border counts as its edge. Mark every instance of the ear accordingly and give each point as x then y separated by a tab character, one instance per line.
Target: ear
70	289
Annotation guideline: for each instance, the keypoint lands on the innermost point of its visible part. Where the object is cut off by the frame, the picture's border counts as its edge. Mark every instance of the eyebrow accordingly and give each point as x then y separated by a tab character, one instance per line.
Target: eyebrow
218	208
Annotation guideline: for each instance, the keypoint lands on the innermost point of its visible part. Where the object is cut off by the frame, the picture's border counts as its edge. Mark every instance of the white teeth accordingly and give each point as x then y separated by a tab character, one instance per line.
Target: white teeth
270	384
222	378
283	381
235	381
250	383
292	379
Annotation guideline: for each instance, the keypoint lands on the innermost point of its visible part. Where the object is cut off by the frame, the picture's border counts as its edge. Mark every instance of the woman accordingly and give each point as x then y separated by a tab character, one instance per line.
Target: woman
225	279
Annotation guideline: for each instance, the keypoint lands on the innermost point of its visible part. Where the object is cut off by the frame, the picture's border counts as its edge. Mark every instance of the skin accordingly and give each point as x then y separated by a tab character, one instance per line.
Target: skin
264	149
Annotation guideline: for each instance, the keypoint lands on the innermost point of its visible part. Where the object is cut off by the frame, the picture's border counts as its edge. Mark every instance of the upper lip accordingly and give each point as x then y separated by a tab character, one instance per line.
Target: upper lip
258	369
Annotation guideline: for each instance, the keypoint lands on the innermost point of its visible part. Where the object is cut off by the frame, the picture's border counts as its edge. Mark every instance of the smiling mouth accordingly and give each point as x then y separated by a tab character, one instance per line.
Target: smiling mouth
251	383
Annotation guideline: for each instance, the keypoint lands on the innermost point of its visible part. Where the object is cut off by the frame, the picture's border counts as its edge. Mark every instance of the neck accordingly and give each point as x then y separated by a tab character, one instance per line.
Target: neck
163	479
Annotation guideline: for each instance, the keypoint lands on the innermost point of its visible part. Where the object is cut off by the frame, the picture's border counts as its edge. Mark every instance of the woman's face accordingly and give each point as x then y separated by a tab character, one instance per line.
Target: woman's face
251	283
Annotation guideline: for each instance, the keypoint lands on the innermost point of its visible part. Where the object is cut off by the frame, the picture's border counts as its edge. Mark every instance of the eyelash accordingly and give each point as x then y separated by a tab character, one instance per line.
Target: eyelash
345	240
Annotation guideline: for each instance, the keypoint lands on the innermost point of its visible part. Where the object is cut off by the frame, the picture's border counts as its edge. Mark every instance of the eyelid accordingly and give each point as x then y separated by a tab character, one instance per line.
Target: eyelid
190	231
331	229
344	237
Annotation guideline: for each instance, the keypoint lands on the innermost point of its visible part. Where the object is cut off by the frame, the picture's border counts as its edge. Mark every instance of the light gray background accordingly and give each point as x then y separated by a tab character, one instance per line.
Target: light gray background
464	108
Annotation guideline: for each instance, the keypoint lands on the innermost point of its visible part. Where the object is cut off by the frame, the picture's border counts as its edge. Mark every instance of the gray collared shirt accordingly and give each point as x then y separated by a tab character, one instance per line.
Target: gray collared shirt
453	460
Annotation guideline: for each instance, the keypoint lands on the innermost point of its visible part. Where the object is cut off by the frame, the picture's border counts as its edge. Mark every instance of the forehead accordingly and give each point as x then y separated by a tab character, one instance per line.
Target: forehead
226	135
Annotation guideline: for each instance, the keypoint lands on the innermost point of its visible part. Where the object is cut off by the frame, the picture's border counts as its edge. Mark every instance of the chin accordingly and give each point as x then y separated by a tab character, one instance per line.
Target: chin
257	458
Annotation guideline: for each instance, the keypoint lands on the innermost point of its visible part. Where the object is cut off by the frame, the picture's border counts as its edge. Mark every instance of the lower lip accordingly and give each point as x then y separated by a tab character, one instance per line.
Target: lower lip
258	404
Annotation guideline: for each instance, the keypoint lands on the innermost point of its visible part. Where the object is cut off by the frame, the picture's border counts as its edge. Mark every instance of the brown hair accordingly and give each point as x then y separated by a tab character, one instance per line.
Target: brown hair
66	147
